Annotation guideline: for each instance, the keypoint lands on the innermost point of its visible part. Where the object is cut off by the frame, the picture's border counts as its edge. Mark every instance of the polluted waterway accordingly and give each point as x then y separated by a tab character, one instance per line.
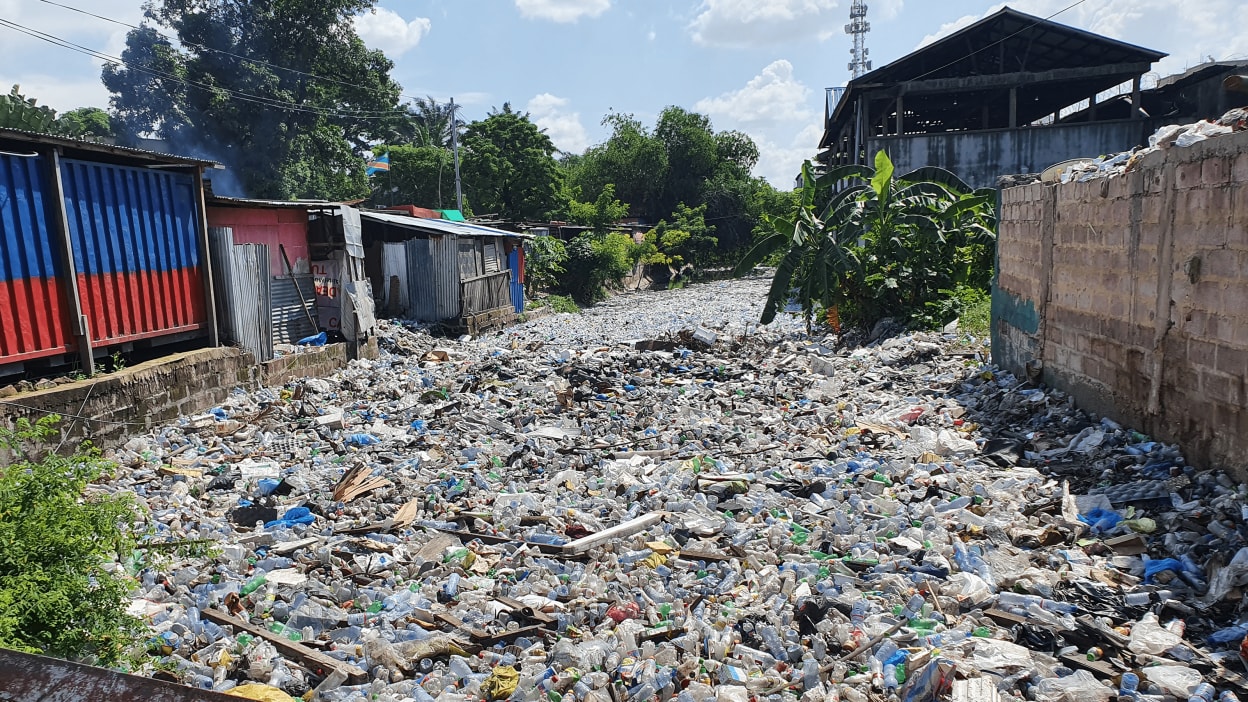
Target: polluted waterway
659	499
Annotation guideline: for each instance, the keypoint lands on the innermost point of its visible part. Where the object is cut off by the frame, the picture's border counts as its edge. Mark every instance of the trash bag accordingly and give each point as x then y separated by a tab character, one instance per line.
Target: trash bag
314	340
501	682
260	693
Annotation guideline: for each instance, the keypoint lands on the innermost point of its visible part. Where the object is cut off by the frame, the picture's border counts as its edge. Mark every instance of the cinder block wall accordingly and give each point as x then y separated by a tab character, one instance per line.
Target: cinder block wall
134	400
1131	293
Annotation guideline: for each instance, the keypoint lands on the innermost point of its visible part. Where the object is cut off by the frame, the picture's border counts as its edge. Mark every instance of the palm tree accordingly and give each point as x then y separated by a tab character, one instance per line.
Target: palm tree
434	120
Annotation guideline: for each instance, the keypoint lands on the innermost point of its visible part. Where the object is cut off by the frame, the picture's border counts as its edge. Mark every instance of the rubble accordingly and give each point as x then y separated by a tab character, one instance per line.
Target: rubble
1166	137
659	499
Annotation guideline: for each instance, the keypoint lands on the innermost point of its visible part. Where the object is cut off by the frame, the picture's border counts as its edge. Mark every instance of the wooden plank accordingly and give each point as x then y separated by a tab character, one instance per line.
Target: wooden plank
1098	668
287	547
619	531
487	641
309	658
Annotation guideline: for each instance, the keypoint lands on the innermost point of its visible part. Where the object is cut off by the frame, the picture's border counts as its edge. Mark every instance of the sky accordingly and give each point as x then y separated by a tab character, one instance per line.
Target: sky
758	66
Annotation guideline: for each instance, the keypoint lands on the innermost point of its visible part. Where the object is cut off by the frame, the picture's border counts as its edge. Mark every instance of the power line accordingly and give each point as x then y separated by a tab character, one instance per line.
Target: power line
1001	40
84	418
258	62
247	97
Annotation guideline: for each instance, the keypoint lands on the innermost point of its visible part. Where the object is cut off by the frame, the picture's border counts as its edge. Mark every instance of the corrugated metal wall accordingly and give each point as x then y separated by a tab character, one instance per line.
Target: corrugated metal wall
290	312
242	284
135	238
433	275
34	309
394	267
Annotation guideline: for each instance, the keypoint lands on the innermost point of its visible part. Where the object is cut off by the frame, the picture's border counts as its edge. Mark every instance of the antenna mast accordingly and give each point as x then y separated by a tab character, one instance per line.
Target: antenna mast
857	28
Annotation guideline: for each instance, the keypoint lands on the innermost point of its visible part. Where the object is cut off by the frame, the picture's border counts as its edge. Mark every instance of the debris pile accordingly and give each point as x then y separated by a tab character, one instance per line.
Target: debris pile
1166	137
724	514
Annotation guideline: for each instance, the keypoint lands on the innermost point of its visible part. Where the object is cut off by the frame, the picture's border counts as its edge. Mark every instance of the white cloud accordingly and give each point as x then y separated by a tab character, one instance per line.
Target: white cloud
564	128
562	10
1190	32
780	163
771	97
779	113
387	30
747	23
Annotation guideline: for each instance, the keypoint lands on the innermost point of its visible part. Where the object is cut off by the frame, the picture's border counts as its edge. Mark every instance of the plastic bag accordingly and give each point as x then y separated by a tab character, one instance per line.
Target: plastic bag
1148	636
501	683
1176	680
1080	687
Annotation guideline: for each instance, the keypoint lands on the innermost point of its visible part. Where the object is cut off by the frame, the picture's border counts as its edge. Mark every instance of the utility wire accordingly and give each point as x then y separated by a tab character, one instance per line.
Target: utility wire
247	97
75	416
223	52
999	41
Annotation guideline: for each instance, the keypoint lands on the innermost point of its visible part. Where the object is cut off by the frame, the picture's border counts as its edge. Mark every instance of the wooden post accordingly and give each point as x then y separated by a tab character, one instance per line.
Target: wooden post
79	322
1092	108
1013	108
205	259
901	115
1135	98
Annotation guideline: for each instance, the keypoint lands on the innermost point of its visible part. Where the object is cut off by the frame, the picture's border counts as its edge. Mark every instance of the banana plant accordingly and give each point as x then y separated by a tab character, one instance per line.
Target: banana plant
878	245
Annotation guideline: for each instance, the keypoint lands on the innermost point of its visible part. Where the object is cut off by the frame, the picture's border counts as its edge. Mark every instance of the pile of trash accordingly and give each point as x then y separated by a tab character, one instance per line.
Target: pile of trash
1166	137
717	513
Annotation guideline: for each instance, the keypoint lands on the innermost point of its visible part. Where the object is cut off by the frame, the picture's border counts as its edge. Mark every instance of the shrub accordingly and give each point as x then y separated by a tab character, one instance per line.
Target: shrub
57	596
595	261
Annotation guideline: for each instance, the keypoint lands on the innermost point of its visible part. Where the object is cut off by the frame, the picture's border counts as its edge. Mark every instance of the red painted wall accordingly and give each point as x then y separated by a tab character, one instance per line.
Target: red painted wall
272	226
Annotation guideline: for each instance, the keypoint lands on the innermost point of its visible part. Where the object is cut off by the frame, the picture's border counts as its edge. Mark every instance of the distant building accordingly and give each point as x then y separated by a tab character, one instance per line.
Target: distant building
1011	93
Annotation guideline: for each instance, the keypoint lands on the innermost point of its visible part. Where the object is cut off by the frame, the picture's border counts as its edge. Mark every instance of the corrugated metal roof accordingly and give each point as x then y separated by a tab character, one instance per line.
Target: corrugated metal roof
224	201
440	226
98	147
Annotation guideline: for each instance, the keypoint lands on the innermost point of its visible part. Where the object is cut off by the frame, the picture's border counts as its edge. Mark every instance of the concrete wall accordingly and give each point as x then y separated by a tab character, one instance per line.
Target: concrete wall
1131	293
981	157
135	399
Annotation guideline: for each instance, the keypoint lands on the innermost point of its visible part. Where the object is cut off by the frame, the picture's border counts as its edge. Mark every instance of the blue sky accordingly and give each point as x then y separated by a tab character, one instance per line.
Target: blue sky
760	66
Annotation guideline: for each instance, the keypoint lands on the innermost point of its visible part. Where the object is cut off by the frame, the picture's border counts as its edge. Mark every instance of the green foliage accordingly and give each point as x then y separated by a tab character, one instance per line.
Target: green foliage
508	167
544	262
687	240
682	161
56	595
20	112
887	246
600	214
85	123
424	176
562	304
595	261
313	148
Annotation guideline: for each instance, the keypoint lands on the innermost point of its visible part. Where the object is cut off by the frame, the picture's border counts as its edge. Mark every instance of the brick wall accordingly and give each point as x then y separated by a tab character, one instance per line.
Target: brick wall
134	400
1131	293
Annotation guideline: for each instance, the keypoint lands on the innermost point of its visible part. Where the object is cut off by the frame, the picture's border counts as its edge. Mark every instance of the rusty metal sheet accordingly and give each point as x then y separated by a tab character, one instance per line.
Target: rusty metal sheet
28	678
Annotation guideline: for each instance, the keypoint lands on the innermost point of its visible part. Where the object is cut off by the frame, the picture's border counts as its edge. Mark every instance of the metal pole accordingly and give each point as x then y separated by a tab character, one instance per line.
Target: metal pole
459	191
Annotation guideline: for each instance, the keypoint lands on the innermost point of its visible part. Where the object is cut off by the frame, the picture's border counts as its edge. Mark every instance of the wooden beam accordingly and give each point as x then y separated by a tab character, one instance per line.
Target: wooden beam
1135	98
1013	107
310	658
1004	80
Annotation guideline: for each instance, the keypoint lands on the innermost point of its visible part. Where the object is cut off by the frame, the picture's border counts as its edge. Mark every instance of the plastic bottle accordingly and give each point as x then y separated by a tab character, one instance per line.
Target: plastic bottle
1204	692
1129	686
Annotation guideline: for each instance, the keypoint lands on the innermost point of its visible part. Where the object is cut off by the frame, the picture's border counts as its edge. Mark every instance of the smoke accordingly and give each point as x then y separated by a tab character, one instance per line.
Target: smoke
224	182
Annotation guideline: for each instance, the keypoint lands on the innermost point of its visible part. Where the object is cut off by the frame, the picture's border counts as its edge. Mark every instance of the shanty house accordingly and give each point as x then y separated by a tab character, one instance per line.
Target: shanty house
1011	93
102	249
288	270
463	275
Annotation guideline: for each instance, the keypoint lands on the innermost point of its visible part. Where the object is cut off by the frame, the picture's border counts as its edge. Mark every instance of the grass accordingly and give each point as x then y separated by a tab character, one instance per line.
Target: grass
562	304
977	317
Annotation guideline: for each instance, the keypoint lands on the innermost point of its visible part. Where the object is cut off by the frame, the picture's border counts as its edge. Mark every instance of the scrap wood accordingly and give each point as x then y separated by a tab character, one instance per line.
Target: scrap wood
310	658
406	515
357	482
525	611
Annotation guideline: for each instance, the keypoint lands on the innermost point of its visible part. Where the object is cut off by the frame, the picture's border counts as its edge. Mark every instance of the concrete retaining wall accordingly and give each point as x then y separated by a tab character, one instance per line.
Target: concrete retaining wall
135	399
1131	293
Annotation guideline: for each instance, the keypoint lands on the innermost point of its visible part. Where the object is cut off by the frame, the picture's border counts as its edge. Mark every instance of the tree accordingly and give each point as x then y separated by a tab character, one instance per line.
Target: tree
692	156
632	159
240	89
423	175
433	121
887	246
600	214
509	169
85	123
57	594
20	112
687	241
